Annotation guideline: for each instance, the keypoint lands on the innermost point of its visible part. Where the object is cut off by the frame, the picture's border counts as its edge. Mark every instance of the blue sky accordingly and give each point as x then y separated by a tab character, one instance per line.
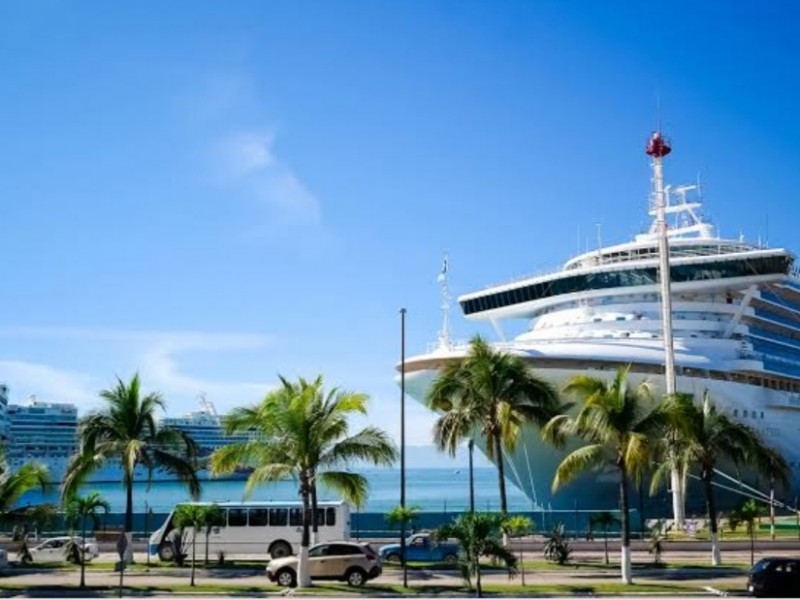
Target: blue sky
213	193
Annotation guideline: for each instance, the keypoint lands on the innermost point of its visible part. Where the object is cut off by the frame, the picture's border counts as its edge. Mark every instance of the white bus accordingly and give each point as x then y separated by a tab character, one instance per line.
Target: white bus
273	529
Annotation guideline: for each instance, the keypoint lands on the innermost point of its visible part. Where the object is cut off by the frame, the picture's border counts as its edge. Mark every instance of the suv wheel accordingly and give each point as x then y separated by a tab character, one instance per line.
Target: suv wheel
279	550
286	578
450	559
356	577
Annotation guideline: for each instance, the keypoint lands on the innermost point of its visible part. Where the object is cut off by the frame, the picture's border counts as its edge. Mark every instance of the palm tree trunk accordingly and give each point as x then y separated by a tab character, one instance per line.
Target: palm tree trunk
712	517
478	587
605	541
314	524
752	544
501	473
208	535
194	547
128	558
626	526
772	508
82	555
303	575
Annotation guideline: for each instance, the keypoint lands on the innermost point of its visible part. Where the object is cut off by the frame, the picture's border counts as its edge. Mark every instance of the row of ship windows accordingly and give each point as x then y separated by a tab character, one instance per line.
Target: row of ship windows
652	251
627	278
745	413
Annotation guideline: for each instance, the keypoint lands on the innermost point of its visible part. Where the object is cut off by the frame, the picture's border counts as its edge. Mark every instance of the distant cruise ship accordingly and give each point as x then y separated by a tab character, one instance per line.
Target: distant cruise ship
47	433
735	318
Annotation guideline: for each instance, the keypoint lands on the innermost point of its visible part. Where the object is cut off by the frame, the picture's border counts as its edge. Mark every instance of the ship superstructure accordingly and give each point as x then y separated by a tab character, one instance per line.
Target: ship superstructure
735	324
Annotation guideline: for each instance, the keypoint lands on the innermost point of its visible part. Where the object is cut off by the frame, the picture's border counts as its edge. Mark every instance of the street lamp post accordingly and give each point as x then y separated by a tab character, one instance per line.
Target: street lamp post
403	443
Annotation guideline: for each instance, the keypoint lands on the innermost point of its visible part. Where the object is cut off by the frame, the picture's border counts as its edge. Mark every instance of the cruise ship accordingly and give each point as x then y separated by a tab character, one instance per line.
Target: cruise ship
735	323
47	433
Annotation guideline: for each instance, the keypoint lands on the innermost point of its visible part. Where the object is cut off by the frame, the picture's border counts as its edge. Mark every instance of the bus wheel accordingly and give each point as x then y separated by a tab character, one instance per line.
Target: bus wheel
280	549
286	578
166	553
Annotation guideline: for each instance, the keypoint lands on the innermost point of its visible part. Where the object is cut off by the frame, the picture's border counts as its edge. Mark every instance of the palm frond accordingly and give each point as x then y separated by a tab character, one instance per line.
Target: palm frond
578	462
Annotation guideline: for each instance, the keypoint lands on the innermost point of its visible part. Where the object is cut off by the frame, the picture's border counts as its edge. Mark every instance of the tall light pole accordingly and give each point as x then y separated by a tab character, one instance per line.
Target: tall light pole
403	443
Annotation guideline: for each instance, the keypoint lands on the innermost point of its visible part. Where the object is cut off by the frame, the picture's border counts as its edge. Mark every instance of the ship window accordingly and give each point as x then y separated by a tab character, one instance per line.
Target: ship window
330	516
744	413
278	517
735	412
762	414
258	517
237	517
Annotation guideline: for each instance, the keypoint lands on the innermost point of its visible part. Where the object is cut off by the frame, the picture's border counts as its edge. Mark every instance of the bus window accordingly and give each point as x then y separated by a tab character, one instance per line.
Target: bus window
320	517
330	516
295	517
278	517
237	517
258	517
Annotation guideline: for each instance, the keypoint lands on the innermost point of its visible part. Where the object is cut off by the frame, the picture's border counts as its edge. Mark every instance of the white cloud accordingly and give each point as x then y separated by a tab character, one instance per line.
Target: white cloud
155	355
249	162
48	383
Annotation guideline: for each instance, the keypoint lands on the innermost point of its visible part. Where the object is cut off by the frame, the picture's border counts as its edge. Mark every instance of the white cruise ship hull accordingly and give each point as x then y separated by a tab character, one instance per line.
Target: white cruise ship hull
531	466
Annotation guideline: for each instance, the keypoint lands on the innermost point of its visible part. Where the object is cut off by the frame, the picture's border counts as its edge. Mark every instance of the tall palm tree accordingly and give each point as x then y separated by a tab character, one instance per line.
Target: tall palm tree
619	423
774	466
125	430
305	435
493	392
708	437
79	509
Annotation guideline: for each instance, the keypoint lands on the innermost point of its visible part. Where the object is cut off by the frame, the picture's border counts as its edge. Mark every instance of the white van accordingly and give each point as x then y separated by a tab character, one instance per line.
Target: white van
263	529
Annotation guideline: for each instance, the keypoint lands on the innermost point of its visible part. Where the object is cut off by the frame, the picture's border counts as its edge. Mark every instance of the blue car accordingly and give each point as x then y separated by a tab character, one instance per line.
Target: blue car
421	547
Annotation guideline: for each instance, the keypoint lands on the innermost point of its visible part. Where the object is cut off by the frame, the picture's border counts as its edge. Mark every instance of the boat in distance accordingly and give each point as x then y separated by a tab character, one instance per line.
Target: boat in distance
735	324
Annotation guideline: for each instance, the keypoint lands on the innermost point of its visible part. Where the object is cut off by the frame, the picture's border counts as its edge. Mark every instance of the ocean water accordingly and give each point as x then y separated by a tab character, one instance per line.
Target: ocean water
435	490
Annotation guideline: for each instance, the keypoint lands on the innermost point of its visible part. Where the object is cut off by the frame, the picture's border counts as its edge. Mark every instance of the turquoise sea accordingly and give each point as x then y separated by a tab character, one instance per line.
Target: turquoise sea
436	490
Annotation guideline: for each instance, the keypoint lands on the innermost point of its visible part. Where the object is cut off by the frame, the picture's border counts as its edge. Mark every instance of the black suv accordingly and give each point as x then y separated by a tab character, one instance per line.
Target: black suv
775	577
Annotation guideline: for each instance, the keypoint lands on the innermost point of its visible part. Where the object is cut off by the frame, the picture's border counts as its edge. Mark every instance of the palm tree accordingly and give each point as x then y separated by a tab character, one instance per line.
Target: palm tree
708	437
747	513
604	520
213	516
493	392
191	516
125	430
773	465
518	526
619	424
305	435
79	509
478	536
13	484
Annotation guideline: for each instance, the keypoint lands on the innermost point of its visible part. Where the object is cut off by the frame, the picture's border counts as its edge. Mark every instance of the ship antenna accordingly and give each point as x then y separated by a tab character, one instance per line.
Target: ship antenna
444	332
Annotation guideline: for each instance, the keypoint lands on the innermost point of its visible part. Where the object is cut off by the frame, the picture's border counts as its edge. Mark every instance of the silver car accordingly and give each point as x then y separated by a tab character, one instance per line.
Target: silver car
355	563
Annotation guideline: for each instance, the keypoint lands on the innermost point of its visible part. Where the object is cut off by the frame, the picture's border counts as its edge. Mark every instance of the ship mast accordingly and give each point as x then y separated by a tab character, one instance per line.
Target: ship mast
658	148
444	332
